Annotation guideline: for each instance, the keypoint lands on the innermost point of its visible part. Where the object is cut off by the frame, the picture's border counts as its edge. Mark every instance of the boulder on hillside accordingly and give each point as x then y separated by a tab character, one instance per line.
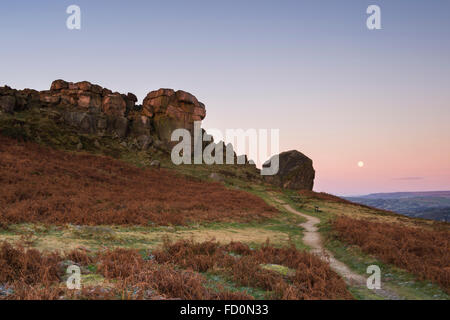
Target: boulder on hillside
172	110
295	171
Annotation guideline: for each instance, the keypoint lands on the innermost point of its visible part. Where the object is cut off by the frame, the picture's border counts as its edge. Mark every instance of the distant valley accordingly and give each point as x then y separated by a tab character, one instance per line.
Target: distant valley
433	205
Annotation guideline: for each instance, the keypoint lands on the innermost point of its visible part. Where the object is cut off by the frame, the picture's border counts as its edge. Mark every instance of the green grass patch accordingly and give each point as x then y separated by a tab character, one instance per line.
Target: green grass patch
215	280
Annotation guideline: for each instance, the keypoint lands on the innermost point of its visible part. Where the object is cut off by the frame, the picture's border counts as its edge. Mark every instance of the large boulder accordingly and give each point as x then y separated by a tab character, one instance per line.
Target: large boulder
295	171
59	85
172	110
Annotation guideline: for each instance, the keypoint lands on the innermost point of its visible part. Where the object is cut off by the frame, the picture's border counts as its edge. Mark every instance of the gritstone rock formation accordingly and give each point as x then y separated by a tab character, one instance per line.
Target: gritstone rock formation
171	110
295	171
92	109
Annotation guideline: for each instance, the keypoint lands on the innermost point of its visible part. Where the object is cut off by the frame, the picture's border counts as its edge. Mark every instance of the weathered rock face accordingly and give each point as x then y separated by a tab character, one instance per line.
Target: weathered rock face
295	171
172	110
88	96
140	125
114	104
92	109
86	107
12	100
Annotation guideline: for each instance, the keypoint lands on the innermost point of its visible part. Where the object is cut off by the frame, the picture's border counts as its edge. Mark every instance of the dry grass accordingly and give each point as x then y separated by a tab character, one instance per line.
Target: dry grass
172	272
423	252
332	205
31	275
65	238
28	266
149	278
313	278
323	196
48	186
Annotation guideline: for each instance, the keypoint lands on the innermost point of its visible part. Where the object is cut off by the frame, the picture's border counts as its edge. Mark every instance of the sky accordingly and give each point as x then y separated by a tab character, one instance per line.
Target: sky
337	91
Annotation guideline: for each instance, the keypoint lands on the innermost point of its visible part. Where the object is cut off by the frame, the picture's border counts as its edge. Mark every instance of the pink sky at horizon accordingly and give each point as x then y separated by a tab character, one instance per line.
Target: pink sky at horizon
403	142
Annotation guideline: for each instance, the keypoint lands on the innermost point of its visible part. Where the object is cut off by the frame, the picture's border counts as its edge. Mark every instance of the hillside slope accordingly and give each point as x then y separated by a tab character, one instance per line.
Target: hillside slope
427	205
94	197
43	185
51	200
128	229
411	252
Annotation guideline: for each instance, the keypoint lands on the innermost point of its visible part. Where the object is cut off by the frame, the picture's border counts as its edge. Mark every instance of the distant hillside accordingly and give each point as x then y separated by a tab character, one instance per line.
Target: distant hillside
402	195
433	205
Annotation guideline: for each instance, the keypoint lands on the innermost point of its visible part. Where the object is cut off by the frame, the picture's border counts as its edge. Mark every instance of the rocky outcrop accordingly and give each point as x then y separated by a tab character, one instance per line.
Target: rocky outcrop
92	109
88	96
82	95
12	100
87	108
295	171
171	110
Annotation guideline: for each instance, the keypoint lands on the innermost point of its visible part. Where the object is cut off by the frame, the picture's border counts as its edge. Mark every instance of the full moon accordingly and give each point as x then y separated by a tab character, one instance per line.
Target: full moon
360	164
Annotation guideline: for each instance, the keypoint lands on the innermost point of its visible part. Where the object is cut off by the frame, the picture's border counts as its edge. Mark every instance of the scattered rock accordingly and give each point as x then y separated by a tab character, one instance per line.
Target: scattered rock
216	177
156	164
5	291
157	143
144	142
63	265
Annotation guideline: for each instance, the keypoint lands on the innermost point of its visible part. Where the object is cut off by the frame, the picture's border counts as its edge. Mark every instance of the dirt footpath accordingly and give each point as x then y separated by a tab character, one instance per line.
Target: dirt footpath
313	239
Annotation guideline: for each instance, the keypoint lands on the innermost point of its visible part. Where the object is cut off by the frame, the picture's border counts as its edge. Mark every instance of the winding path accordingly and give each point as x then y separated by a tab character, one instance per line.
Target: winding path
313	239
